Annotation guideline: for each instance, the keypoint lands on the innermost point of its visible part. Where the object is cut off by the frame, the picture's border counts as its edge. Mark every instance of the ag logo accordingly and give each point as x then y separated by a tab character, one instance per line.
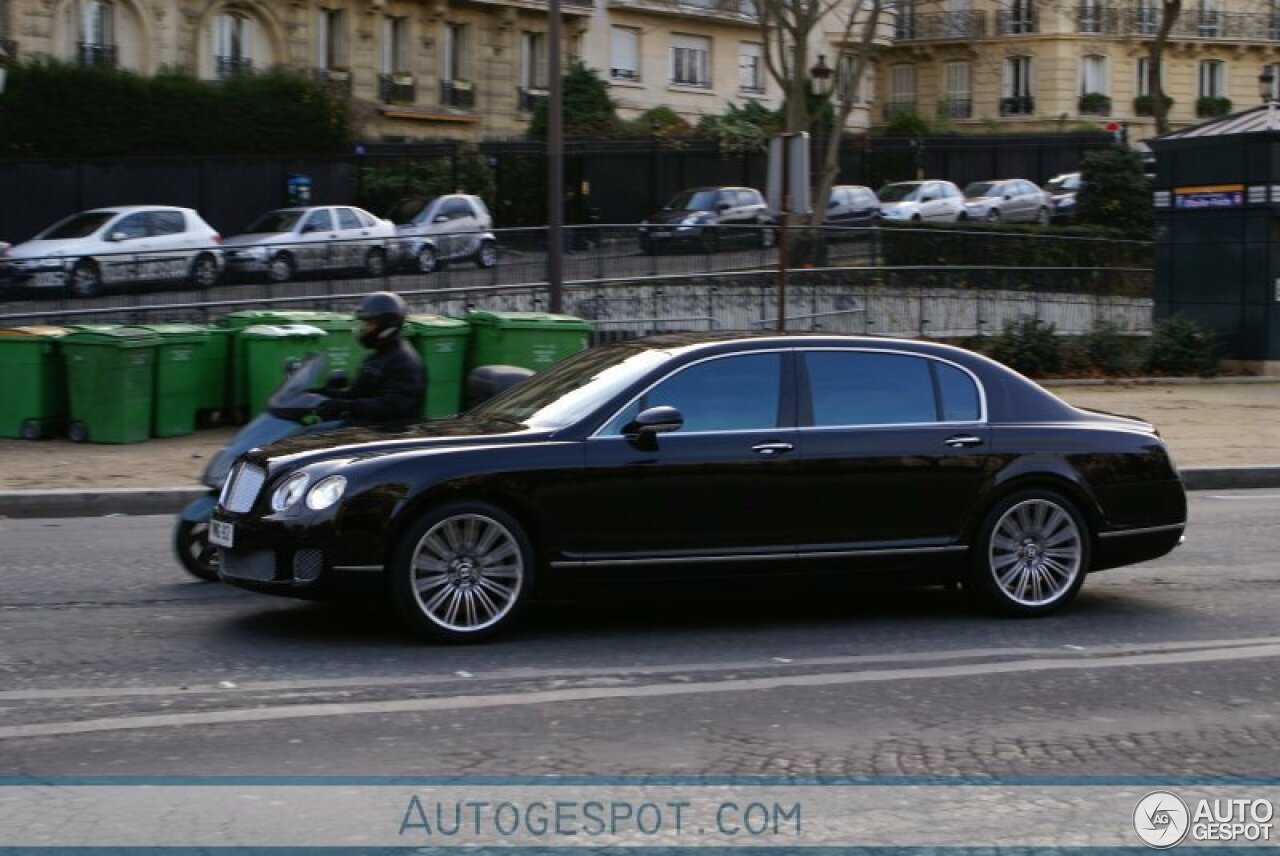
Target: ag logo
1161	819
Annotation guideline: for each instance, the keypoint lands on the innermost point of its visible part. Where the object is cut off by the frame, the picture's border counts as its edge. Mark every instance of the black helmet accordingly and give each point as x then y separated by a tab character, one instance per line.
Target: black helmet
387	311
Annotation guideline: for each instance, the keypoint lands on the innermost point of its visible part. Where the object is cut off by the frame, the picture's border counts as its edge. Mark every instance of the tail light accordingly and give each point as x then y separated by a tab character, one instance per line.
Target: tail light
217	239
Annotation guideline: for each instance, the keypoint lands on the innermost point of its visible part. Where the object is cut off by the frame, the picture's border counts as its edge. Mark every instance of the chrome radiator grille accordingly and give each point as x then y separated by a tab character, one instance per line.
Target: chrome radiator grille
242	487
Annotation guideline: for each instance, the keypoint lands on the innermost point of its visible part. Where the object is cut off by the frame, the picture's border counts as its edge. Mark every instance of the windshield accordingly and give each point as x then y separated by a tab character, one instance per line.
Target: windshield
420	219
693	200
76	226
899	192
276	221
1063	183
571	389
980	189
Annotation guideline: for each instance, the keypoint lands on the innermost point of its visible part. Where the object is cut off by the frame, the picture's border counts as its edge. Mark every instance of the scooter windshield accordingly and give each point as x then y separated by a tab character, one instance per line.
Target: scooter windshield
294	397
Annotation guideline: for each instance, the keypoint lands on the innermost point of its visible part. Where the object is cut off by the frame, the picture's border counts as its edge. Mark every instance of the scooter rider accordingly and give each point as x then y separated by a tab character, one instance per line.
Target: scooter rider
392	381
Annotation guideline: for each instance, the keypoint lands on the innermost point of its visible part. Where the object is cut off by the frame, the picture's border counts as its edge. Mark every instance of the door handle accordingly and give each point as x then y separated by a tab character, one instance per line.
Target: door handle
768	450
961	441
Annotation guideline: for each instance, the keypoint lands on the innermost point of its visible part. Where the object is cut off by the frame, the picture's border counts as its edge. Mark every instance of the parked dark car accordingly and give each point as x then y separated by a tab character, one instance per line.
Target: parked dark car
852	205
699	455
707	217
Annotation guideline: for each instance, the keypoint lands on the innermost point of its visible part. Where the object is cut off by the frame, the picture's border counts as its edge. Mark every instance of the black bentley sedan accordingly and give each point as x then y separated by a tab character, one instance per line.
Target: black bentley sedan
700	455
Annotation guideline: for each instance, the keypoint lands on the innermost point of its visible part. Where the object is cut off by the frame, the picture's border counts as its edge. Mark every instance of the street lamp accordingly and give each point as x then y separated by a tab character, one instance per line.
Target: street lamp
821	75
1267	89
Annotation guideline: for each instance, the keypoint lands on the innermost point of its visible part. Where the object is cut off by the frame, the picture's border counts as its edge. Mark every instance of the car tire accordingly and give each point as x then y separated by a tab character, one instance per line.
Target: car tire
375	264
425	261
1042	217
487	255
86	279
204	272
196	555
993	216
461	573
1031	554
768	237
78	432
31	429
281	268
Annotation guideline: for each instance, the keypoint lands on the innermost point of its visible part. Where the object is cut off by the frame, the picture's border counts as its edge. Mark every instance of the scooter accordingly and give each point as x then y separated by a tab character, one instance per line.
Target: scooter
287	413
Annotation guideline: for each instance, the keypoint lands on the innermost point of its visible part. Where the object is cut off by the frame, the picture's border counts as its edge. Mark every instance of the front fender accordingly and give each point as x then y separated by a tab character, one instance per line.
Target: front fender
199	510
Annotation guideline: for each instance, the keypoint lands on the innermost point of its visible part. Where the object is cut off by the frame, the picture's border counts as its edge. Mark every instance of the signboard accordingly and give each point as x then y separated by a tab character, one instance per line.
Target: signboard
789	152
1209	196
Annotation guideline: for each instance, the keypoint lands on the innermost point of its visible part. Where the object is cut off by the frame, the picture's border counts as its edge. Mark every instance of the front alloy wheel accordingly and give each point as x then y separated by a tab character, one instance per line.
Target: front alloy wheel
1031	555
426	259
463	573
204	272
86	279
487	255
197	556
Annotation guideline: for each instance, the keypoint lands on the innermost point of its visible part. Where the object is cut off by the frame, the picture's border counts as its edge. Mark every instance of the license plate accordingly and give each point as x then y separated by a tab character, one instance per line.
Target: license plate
222	534
47	278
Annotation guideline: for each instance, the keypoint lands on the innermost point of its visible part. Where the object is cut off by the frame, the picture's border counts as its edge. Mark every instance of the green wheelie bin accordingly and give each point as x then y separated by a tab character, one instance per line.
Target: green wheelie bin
237	390
442	343
531	340
341	345
269	349
34	403
110	383
179	374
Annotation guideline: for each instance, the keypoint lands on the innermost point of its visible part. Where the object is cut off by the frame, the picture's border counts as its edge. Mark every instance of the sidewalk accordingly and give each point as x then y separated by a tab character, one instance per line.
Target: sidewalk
1223	434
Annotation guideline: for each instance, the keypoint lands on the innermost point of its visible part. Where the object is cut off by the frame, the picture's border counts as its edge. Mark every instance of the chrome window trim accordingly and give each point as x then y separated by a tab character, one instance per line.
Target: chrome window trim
800	351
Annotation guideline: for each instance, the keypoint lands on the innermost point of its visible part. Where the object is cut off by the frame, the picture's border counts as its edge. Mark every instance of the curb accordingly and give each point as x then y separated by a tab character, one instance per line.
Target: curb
70	502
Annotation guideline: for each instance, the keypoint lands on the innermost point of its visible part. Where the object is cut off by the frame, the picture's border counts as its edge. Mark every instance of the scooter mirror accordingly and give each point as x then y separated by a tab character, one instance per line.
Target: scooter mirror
291	365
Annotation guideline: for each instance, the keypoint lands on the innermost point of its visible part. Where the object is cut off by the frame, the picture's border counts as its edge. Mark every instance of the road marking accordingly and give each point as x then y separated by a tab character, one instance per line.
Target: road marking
561	696
524	674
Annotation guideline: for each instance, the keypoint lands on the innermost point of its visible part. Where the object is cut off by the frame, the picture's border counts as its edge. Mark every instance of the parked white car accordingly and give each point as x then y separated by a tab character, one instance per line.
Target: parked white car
934	200
449	228
288	241
1010	200
113	246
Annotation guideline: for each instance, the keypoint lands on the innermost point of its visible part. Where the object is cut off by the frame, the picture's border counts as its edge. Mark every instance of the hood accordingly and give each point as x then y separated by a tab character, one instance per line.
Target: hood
353	444
38	249
253	239
669	215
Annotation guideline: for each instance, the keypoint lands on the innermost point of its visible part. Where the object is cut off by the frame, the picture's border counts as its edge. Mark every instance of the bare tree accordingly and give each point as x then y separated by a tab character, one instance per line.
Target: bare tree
788	31
1169	12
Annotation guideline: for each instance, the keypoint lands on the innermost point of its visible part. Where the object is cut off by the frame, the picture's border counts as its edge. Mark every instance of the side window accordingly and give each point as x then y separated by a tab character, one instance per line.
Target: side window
455	209
133	226
739	393
867	388
347	219
318	221
957	394
168	223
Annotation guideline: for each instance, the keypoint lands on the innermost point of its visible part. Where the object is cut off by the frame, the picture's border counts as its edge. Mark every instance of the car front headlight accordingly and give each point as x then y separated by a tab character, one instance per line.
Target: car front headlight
289	492
693	220
326	492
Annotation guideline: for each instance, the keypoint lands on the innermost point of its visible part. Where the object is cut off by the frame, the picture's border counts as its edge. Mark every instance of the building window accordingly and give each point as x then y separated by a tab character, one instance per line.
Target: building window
845	90
1020	17
691	61
332	40
1142	76
455	52
395	45
1095	86
1209	22
1273	93
533	61
97	44
958	99
1148	17
1213	79
904	19
625	54
1017	97
751	67
902	90
232	54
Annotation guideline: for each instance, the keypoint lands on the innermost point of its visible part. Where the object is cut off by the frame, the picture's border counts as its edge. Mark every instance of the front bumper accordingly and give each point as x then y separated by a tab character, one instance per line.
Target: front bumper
238	261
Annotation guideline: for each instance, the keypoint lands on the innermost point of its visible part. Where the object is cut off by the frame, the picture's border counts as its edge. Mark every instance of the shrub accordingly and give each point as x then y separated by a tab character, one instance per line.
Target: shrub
398	190
1115	193
1179	346
1107	349
1027	345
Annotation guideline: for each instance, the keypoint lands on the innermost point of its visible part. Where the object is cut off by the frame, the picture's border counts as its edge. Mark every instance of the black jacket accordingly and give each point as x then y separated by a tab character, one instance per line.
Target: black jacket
389	390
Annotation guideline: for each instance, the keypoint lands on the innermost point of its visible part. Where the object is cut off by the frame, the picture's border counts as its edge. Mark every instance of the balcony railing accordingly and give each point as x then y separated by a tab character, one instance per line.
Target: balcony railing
1017	105
955	108
103	56
458	93
713	8
527	99
940	26
899	106
1017	22
1101	20
1094	104
336	81
397	89
225	67
1193	25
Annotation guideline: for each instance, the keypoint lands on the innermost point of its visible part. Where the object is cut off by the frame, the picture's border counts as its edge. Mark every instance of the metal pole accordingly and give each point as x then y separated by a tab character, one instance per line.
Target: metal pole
555	163
784	212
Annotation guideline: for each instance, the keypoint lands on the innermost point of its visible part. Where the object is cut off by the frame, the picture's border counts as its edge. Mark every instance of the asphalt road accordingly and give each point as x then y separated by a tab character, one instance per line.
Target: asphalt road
112	663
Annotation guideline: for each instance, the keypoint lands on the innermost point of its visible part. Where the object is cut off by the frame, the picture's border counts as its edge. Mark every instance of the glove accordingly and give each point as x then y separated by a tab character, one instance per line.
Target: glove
330	408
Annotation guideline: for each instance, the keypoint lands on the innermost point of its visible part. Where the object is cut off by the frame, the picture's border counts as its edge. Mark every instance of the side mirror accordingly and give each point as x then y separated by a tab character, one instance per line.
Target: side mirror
833	203
116	237
723	206
291	366
655	420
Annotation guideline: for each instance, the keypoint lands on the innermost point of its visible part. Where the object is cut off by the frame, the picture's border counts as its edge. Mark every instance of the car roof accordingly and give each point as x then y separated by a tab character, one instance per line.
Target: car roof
129	209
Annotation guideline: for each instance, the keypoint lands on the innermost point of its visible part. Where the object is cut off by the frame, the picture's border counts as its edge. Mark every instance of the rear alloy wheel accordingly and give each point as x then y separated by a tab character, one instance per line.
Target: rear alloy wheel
86	279
487	255
1031	554
993	216
204	272
197	556
281	268
375	264
426	259
462	573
